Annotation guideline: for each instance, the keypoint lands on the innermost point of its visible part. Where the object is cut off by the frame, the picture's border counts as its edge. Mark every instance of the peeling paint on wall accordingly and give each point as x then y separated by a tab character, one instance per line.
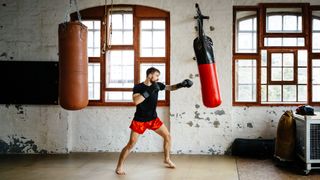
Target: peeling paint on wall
197	115
216	124
219	112
190	123
19	145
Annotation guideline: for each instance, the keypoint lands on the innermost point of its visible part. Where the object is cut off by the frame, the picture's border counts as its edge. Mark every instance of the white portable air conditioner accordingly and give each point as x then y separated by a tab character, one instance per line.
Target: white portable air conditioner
308	140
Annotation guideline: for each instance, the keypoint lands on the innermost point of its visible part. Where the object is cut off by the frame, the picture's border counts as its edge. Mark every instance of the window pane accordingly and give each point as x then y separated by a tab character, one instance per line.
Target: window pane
245	41
116	37
316	75
302	93
245	93
94	81
263	75
290	23
316	93
302	57
246	80
90	91
299	23
93	39
278	42
316	24
118	96
128	22
146	25
274	23
263	93
316	63
288	59
120	70
289	42
288	74
273	41
152	38
246	32
302	75
316	42
276	74
162	77
316	80
159	24
246	25
289	93
276	59
146	52
117	21
158	39
263	58
158	52
122	28
127	37
146	39
96	91
274	93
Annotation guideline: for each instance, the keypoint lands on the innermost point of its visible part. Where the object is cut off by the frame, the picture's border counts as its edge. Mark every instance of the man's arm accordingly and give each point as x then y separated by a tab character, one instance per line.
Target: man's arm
137	98
140	97
172	87
186	83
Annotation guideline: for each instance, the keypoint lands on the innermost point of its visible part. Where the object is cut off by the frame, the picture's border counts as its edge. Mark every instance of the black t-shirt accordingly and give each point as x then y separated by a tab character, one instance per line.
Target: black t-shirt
146	110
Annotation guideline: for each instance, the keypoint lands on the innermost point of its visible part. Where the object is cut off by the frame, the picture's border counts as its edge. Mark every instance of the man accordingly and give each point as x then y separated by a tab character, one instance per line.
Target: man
145	97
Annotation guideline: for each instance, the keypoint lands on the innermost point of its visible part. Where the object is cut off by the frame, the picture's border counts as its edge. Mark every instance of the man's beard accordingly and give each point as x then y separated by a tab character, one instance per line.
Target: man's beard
153	81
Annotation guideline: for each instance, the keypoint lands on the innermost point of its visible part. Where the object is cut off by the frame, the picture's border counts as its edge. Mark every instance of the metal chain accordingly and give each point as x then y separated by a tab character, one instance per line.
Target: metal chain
110	27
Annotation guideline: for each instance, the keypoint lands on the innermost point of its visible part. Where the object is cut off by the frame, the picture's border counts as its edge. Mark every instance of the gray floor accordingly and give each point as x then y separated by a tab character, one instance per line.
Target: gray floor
142	166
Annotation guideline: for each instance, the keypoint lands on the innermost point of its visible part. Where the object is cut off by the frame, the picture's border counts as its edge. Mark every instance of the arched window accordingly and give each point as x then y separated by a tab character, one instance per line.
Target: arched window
138	38
276	71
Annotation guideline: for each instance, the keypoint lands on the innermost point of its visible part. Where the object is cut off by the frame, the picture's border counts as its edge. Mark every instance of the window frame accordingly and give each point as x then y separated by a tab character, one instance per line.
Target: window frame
139	13
307	10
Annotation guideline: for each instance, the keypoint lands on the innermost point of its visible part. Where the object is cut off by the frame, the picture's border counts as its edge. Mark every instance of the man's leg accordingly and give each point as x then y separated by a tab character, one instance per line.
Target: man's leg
125	152
163	132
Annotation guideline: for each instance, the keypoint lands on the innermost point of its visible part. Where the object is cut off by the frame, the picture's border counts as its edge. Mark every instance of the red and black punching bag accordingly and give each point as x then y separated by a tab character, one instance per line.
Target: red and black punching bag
73	66
207	68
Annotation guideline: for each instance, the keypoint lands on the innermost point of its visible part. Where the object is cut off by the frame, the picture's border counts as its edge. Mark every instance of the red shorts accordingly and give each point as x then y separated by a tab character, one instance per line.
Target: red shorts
140	127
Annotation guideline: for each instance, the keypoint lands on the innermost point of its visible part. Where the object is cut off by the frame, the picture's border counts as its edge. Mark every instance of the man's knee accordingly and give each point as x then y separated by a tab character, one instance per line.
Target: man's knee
167	137
131	143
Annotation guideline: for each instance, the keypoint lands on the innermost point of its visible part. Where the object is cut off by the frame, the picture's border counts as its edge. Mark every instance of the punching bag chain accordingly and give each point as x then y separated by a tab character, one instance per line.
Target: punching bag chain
107	29
67	17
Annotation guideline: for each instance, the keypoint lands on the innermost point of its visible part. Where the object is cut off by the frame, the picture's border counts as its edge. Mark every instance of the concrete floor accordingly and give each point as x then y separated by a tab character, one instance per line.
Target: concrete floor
142	166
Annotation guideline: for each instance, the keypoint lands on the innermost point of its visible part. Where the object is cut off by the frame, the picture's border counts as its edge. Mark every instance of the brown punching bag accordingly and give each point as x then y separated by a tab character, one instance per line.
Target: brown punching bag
73	66
285	140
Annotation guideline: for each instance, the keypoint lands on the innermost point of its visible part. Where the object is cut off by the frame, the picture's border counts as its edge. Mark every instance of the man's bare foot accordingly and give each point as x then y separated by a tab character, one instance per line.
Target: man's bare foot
170	164
120	171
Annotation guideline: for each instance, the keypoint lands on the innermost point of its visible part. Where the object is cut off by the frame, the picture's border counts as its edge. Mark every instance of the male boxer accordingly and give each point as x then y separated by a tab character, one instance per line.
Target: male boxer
145	97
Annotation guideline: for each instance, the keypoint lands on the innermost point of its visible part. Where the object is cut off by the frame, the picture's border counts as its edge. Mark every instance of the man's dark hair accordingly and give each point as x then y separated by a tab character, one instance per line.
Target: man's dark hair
152	70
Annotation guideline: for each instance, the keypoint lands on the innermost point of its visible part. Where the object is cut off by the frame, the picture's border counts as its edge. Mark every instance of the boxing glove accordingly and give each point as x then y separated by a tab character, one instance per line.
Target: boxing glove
185	83
150	90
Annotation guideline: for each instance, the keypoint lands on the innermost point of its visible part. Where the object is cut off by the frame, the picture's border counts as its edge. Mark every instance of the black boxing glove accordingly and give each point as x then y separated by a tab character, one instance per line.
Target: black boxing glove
150	90
185	83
